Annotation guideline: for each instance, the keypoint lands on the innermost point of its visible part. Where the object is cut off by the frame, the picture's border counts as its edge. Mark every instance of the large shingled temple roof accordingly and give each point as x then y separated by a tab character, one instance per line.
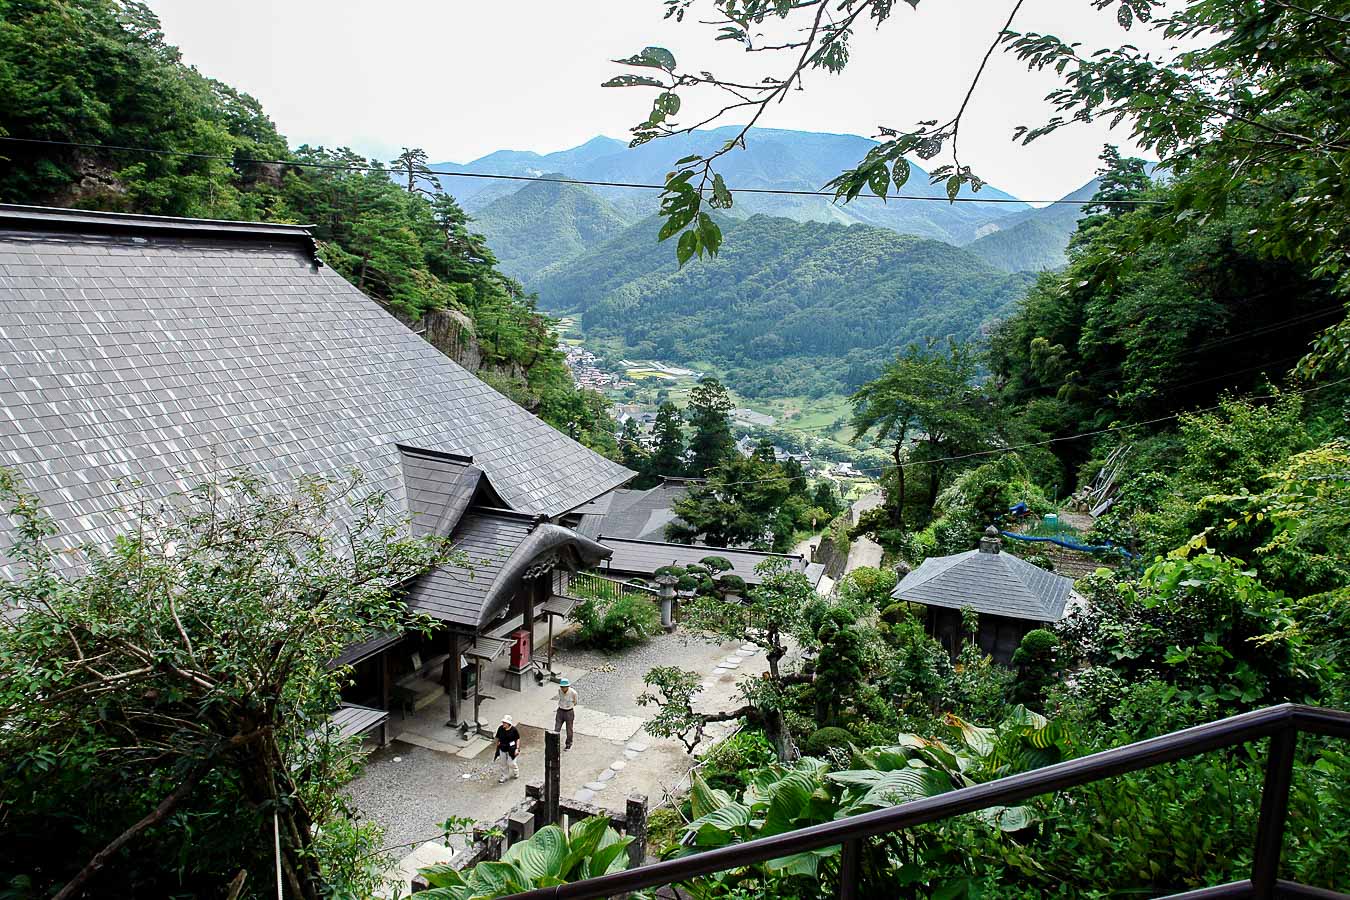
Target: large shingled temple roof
163	350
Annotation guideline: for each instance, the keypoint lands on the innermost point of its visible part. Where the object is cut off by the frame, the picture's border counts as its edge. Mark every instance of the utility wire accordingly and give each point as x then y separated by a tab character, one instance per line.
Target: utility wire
559	180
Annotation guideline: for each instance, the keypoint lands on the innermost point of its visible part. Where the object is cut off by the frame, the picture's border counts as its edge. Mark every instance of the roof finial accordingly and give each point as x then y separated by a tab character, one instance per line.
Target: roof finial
990	543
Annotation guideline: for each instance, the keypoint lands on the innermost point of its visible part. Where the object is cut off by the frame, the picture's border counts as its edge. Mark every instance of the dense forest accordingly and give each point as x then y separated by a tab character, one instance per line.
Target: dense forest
100	72
786	308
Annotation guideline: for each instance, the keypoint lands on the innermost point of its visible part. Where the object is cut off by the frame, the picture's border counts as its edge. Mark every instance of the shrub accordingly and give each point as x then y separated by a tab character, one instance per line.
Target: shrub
1037	661
729	763
824	740
612	625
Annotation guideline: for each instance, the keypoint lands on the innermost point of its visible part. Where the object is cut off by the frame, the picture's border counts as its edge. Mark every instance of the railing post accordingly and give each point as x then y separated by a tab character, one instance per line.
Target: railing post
849	865
1274	810
552	776
635	826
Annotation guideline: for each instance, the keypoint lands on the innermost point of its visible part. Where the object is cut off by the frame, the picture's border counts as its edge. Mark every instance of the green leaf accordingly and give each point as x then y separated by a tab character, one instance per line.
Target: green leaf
979	740
678	218
687	247
651	57
878	180
710	236
953	187
722	826
789	798
704	799
721	195
632	81
610	858
541	855
900	172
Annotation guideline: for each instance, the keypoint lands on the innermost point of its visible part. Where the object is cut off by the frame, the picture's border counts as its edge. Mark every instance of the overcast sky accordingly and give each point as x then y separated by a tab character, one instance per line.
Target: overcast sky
462	78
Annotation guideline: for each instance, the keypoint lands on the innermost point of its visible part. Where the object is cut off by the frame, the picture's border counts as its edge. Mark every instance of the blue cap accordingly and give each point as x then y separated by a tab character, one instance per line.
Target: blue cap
563	682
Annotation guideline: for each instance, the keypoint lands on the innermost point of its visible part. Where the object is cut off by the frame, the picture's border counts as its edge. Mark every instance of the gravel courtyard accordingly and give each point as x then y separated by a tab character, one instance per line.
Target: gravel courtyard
427	773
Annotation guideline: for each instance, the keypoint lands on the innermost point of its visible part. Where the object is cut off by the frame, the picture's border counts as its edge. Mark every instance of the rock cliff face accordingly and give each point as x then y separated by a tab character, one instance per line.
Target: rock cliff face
451	332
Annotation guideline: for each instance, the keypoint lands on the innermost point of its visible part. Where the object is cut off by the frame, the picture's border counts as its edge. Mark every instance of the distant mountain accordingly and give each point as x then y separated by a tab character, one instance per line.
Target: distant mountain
544	223
1033	239
774	158
786	308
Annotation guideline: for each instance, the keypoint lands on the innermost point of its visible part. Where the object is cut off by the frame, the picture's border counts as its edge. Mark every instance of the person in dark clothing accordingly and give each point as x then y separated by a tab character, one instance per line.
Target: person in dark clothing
508	748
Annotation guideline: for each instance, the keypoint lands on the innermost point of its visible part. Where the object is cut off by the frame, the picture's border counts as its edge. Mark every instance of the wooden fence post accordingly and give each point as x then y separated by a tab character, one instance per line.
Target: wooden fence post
636	828
552	776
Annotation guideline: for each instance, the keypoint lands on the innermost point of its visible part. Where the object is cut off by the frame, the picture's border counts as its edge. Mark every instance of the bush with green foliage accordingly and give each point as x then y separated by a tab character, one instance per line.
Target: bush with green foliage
728	763
615	623
1038	666
1206	625
868	586
160	694
828	742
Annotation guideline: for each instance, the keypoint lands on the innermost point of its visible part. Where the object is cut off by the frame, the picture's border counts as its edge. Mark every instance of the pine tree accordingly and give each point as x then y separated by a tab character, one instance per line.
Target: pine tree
632	454
667	457
712	442
412	165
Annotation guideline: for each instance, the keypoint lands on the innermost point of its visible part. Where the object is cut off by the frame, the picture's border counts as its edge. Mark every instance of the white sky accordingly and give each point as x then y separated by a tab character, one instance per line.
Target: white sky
462	78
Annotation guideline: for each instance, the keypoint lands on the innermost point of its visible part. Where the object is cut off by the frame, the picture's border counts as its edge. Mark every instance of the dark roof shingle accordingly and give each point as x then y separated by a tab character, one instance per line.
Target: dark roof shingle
164	350
994	583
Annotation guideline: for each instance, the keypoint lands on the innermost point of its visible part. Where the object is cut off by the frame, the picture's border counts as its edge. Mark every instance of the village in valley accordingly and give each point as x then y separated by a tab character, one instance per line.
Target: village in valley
722	512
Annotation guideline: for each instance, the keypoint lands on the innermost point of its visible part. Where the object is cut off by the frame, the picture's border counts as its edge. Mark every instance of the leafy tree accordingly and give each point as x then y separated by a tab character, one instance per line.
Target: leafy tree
839	664
827	498
711	442
772	614
925	405
1120	180
182	674
738	506
1037	661
631	452
667	457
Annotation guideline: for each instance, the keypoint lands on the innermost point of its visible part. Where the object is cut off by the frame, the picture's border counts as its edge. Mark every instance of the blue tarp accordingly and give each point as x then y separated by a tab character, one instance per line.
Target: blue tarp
1108	547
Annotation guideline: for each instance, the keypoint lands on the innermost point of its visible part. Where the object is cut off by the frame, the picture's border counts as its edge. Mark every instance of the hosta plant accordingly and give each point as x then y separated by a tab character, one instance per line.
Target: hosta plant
550	858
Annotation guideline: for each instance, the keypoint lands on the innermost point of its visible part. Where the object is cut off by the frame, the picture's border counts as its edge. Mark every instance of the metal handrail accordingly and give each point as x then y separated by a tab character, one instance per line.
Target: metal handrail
609	587
1280	723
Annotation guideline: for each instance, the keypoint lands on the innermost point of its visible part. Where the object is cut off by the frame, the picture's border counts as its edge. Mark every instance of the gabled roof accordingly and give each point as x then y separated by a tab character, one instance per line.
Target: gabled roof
500	547
996	583
163	350
644	515
441	487
645	557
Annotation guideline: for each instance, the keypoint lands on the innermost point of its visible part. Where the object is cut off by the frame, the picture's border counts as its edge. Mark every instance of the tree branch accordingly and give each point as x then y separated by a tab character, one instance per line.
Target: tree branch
75	887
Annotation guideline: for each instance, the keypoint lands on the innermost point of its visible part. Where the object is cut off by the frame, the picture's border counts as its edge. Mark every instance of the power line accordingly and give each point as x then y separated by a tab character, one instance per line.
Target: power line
559	180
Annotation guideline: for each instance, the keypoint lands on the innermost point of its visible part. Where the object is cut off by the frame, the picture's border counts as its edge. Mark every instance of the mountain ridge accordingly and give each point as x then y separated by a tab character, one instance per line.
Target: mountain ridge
774	158
786	307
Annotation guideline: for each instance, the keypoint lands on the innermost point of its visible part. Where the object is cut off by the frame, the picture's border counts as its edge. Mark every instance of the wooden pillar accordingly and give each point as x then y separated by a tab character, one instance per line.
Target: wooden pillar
635	826
386	681
536	592
552	776
453	682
